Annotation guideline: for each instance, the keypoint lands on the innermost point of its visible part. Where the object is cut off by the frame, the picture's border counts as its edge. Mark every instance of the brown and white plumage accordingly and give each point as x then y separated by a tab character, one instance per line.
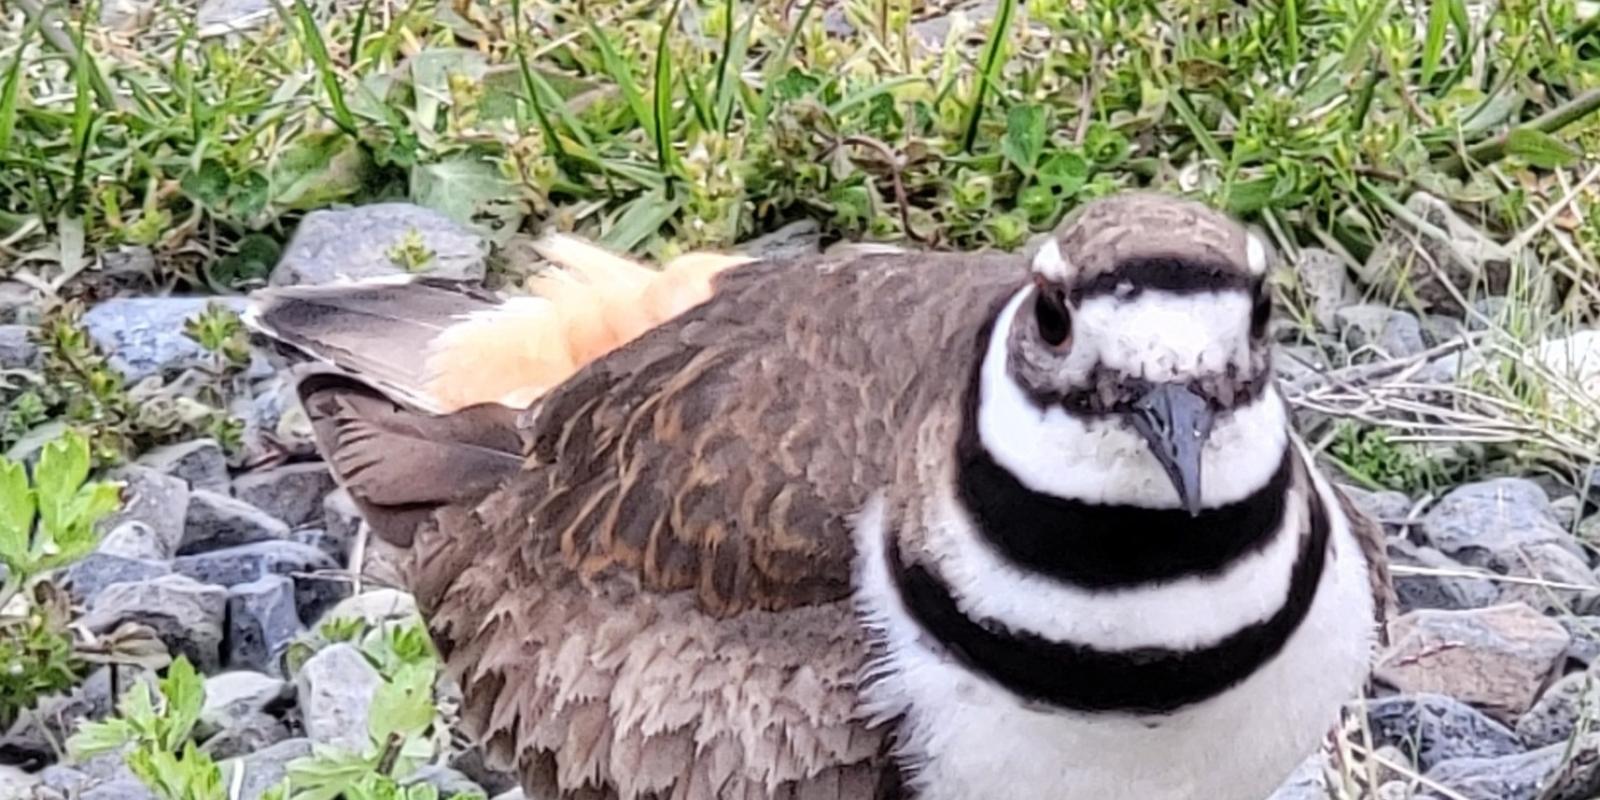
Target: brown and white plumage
649	583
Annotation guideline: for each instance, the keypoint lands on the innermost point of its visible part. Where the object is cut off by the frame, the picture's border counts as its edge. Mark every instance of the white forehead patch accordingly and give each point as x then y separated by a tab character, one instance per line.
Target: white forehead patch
1160	336
1048	261
1255	254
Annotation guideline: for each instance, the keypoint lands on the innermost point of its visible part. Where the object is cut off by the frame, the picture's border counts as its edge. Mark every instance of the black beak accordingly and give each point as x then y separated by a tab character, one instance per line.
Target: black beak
1175	422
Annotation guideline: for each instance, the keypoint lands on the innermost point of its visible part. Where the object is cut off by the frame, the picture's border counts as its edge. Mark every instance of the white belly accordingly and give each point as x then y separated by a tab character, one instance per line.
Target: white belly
964	738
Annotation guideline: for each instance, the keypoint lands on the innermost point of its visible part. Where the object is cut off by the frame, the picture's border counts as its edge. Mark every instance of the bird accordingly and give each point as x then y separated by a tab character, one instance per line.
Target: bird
933	525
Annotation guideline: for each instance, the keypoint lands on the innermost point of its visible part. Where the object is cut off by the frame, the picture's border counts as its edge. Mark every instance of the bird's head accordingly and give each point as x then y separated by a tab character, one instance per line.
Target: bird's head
1146	313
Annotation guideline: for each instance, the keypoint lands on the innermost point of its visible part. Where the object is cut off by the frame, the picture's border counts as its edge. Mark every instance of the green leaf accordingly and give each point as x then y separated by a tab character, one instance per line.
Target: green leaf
1025	134
248	195
318	170
661	110
11	87
644	217
462	188
404	704
1065	172
1433	47
992	61
63	467
208	185
621	73
795	84
95	738
16	517
1540	149
1356	55
185	693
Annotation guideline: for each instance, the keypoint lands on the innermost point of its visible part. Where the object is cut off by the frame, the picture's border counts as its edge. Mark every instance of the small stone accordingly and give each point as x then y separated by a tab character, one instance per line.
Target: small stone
335	688
1431	728
236	694
20	303
201	463
470	762
1388	507
1589	530
119	789
264	769
127	16
1519	776
17	349
797	239
356	243
1392	332
96	571
517	794
143	336
320	539
236	565
448	782
154	498
246	735
16	784
220	17
1555	568
185	614
1567	510
216	521
1326	283
1555	716
1307	782
1478	522
342	520
1495	658
136	540
1443	591
375	607
1470	261
261	622
292	493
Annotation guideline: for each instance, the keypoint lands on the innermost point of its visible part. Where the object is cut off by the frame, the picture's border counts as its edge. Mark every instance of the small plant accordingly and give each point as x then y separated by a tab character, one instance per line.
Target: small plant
156	738
46	521
1373	458
410	253
219	331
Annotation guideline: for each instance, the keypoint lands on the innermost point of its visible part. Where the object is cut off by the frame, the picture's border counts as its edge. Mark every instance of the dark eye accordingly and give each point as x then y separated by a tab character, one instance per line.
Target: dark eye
1261	313
1051	315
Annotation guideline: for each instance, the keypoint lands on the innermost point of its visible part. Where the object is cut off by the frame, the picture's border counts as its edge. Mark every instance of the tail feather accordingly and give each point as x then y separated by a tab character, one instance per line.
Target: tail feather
443	346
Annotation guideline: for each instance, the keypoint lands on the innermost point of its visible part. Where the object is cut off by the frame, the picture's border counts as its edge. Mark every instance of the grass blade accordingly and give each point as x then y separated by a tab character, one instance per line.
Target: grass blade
11	90
661	111
644	217
1291	30
622	73
989	69
1207	142
311	37
733	55
1355	55
1433	48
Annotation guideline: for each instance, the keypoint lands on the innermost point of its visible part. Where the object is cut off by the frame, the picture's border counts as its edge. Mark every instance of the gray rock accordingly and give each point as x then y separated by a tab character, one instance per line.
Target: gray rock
335	688
1553	566
319	538
513	794
246	735
143	336
246	563
342	520
1388	507
1490	310
1494	658
201	463
217	521
1326	283
375	607
264	769
1588	529
1519	776
20	303
127	16
796	239
1585	630
185	614
154	498
136	540
356	243
274	423
119	789
219	17
1480	523
261	622
96	571
1307	782
448	782
15	784
1432	728
1555	716
1412	259
1450	592
292	493
1392	332
237	694
17	349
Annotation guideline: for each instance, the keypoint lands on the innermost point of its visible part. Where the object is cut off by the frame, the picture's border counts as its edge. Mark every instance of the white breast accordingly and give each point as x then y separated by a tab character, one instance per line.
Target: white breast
966	739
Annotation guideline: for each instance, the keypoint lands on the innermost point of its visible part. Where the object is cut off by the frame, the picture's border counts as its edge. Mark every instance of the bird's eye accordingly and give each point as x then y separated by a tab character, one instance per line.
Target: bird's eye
1051	315
1261	313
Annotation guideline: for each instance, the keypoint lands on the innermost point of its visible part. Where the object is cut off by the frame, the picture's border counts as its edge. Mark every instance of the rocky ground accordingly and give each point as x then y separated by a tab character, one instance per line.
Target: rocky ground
1486	692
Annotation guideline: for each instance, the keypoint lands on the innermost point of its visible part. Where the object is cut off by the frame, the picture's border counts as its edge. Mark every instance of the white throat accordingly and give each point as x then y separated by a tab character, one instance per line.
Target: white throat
1103	460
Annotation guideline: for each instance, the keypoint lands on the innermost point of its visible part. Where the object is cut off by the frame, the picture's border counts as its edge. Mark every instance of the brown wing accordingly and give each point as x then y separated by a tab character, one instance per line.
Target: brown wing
656	604
1370	536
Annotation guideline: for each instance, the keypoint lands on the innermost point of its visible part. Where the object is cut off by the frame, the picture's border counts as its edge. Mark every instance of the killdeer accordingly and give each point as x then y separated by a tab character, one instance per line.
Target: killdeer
945	526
